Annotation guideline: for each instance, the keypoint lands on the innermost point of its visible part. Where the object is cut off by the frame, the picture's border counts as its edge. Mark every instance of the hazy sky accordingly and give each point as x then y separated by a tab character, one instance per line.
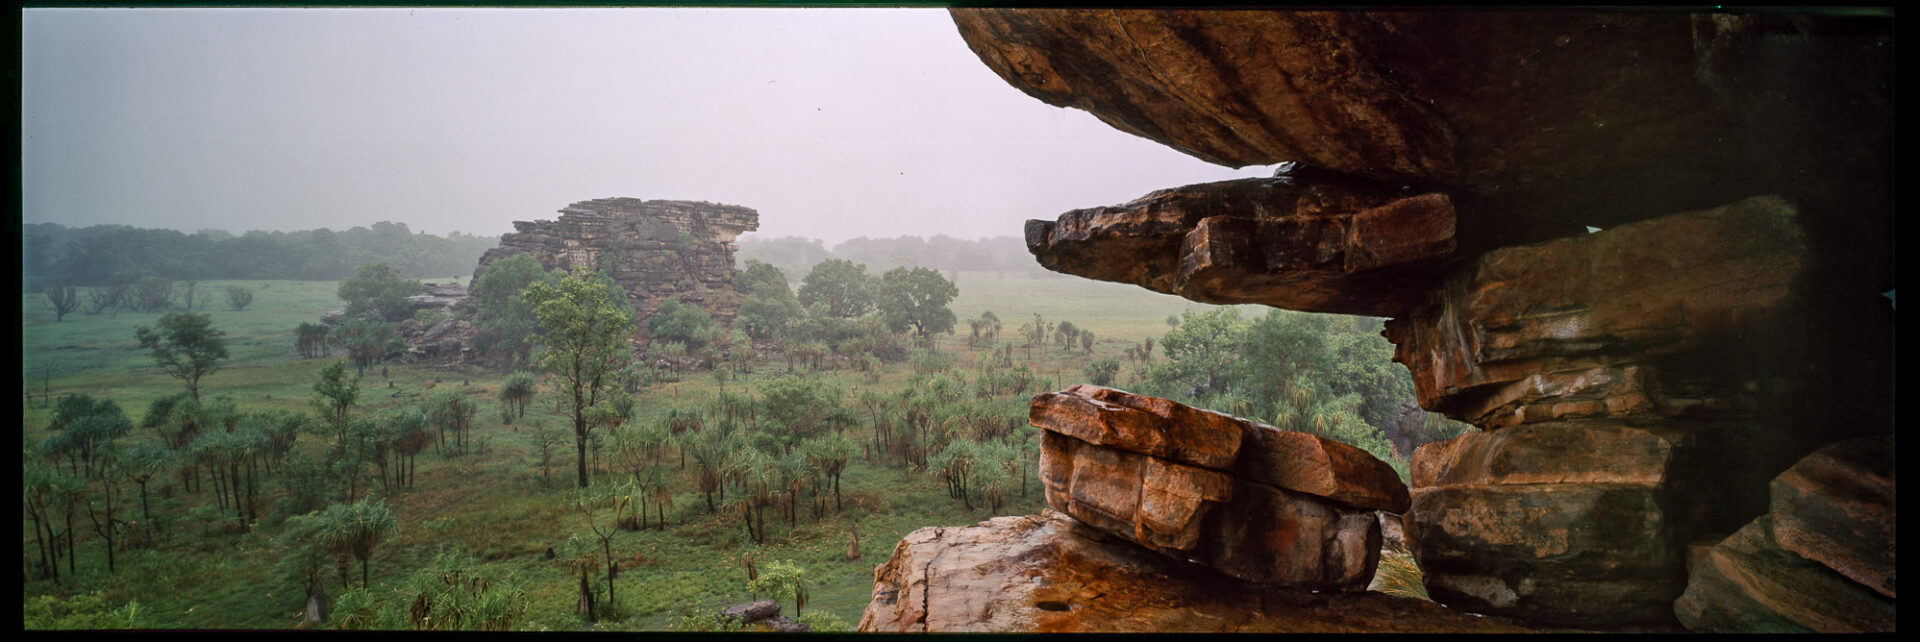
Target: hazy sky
833	123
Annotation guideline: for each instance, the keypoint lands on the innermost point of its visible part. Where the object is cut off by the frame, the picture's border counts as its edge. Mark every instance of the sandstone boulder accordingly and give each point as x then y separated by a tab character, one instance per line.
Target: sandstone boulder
1155	503
1836	507
1748	584
1279	507
1050	574
1140	424
1272	536
1302	240
1314	465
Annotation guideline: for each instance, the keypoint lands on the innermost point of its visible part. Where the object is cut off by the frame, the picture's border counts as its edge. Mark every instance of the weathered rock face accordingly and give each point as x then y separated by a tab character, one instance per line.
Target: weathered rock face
1748	584
1049	573
654	249
1821	560
1544	116
1255	502
1643	382
1559	522
1576	328
1836	507
1303	240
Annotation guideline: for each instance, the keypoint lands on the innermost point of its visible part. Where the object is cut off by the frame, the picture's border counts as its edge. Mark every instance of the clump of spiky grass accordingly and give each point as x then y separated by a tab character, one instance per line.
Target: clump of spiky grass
1399	575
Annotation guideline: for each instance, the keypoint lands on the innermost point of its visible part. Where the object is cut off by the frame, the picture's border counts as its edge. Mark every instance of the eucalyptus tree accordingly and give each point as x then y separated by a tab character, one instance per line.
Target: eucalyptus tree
186	346
585	340
64	299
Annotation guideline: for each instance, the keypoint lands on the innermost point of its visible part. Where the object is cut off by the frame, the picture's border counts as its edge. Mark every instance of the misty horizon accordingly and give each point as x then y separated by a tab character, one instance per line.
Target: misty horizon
832	123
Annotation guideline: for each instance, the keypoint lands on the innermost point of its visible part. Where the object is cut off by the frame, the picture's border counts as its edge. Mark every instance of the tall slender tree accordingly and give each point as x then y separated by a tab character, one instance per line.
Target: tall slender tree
584	333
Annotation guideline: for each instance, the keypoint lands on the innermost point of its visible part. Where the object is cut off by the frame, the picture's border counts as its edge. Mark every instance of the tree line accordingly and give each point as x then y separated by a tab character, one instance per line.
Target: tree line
795	255
54	254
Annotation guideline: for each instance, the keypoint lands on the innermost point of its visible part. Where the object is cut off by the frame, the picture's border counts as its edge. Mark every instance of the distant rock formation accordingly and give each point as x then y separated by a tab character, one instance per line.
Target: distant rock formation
656	250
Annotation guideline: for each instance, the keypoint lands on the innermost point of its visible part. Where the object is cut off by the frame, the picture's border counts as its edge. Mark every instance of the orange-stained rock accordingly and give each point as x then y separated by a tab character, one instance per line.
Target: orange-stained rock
1836	507
1304	240
1747	584
1551	453
1234	88
1166	429
1140	424
1272	536
1315	465
1049	574
1152	502
1574	328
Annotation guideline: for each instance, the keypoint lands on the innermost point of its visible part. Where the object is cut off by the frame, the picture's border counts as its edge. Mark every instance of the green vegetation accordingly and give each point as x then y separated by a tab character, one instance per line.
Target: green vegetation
507	323
704	482
376	290
186	346
584	337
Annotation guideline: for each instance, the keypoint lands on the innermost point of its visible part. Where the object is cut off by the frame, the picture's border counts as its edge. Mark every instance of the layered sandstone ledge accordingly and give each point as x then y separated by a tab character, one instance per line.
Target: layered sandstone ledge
1049	573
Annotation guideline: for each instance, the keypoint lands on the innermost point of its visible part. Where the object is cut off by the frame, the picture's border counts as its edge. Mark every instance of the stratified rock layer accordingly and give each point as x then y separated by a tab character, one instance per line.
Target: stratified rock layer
655	250
1836	507
1555	522
1303	240
1571	328
1821	560
1748	584
1154	503
1277	507
1050	574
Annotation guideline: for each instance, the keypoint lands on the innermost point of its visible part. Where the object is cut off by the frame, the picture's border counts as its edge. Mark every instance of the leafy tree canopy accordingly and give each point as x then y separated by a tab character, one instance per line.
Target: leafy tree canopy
186	345
843	287
377	289
682	322
584	336
916	298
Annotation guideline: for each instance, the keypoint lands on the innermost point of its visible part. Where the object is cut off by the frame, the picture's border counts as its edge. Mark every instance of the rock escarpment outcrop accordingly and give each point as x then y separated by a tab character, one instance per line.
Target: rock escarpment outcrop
1225	504
1051	573
1252	501
1644	251
1303	240
656	250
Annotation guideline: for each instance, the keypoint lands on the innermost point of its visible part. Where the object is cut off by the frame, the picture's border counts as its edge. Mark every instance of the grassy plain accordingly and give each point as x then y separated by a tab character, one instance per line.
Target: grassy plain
494	503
